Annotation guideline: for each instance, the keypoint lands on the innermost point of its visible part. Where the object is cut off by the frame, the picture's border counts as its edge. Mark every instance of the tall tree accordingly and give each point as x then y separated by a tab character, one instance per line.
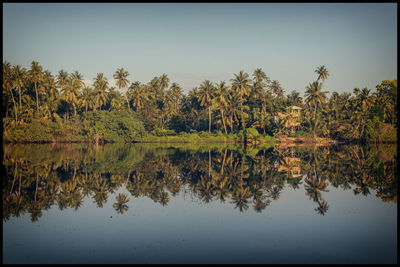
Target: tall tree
241	84
19	79
315	96
206	96
122	81
163	83
36	75
220	100
86	98
8	83
139	96
176	93
322	73
100	85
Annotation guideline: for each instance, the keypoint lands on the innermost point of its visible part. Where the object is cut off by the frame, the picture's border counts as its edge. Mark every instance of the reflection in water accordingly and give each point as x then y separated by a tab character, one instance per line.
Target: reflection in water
38	177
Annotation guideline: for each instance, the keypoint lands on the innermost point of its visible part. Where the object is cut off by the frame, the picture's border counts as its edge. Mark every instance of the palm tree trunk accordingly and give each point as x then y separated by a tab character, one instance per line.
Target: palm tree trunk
15	105
37	98
209	163
223	120
223	162
241	110
127	101
37	179
19	93
74	109
209	120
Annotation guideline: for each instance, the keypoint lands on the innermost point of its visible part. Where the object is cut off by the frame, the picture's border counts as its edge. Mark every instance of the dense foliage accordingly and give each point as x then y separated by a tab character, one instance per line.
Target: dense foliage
40	106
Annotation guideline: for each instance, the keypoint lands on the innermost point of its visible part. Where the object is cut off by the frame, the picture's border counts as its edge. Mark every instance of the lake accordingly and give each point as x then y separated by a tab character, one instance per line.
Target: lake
153	203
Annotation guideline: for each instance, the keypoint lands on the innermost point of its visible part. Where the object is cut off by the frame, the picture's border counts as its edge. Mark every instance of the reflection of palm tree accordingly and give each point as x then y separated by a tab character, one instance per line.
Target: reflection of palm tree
120	206
164	198
275	192
314	186
260	205
240	198
322	207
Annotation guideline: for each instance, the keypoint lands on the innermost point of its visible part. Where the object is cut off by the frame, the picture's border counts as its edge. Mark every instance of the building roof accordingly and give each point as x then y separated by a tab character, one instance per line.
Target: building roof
295	107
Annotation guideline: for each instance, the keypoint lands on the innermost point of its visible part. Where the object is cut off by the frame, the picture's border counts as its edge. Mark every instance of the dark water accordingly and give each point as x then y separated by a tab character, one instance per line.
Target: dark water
211	204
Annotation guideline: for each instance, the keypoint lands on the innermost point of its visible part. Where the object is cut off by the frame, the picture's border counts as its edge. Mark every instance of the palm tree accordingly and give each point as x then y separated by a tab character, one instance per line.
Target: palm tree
77	83
163	83
19	78
233	110
176	93
100	85
70	93
86	99
241	84
120	75
315	96
220	100
36	76
62	78
8	83
363	102
322	73
260	81
261	118
276	88
205	97
138	95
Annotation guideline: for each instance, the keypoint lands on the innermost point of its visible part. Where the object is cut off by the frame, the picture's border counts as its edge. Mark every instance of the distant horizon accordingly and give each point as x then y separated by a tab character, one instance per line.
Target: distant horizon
195	42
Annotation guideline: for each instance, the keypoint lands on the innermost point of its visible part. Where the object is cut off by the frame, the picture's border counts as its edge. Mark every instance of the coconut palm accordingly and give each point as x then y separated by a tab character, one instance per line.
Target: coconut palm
233	110
241	84
35	74
314	96
122	81
139	96
163	83
206	93
100	86
176	94
220	100
322	73
62	78
8	84
19	79
261	118
70	93
276	88
86	98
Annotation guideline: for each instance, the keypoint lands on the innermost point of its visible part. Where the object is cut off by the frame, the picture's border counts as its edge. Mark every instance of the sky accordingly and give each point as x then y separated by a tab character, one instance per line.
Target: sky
194	42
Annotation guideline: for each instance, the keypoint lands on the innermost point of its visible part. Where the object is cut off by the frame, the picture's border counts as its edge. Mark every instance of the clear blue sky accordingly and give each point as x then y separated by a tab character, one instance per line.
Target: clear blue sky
193	42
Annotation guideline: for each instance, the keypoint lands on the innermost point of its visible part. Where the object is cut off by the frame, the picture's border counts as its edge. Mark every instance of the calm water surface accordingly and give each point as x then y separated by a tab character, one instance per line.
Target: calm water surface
211	204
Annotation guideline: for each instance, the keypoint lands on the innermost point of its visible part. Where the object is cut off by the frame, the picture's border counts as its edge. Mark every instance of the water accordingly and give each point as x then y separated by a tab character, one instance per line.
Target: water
207	204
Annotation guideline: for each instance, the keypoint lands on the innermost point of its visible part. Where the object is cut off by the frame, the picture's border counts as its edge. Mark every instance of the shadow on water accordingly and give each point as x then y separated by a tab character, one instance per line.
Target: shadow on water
38	177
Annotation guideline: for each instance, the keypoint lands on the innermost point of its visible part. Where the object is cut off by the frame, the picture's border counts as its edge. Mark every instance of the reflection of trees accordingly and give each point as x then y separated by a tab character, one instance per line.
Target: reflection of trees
36	177
120	206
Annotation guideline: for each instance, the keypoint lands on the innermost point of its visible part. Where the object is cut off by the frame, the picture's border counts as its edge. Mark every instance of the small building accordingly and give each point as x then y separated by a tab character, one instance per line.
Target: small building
295	110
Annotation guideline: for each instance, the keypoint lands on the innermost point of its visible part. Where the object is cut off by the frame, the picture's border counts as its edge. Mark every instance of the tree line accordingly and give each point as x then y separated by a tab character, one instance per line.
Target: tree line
35	100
